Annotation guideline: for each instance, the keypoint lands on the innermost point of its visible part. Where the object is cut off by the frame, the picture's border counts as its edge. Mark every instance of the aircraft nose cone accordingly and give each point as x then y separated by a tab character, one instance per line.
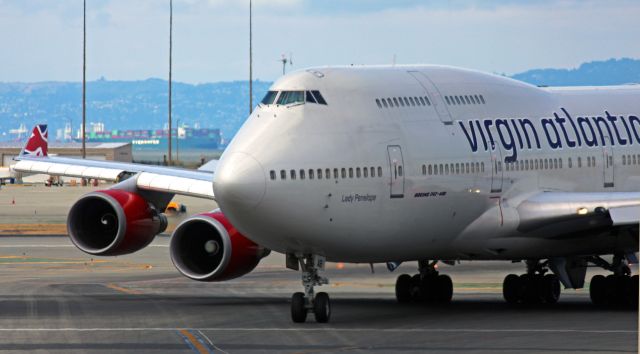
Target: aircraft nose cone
239	182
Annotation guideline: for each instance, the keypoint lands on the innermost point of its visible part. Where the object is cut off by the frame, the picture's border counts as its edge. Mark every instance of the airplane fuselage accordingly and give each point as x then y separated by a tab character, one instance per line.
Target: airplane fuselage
425	162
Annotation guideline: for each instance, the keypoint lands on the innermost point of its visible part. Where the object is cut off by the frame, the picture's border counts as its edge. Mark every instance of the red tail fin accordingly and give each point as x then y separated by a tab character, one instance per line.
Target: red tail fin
38	143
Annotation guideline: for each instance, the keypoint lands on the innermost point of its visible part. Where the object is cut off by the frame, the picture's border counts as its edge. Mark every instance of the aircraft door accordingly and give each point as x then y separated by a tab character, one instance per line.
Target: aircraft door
397	171
434	96
607	162
496	168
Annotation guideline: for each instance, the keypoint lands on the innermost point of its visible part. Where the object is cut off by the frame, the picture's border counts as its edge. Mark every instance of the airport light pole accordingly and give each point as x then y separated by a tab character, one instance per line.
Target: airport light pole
250	57
170	52
84	77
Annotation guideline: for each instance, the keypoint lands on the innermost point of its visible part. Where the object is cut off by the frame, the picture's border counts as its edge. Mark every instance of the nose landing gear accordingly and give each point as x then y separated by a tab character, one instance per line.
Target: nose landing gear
303	303
427	286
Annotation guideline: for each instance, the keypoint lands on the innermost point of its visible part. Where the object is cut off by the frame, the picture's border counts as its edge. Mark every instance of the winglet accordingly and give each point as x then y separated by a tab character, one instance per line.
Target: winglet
38	142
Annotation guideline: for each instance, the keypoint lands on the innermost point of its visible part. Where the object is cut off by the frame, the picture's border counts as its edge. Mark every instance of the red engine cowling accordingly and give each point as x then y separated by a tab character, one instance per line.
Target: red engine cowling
113	222
207	247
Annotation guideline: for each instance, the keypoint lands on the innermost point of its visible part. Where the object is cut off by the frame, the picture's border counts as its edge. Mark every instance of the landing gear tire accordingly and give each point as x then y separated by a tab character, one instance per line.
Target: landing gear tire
531	293
322	307
598	290
634	292
298	308
444	288
403	288
417	294
551	288
511	289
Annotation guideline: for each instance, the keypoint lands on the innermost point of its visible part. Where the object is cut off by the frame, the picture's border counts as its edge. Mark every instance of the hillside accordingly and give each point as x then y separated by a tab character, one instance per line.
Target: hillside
224	105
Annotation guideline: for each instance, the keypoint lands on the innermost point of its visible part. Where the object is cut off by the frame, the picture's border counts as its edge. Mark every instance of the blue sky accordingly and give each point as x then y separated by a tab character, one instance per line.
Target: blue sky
127	40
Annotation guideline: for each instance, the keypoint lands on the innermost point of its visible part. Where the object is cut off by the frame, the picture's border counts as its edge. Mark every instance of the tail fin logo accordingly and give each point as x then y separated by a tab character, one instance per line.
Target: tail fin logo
37	144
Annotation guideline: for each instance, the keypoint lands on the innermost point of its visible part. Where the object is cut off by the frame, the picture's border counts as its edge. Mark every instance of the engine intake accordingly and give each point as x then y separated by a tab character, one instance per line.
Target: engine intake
207	247
113	222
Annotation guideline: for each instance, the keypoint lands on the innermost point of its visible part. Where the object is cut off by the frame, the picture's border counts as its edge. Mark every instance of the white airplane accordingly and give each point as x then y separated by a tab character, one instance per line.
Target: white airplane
397	164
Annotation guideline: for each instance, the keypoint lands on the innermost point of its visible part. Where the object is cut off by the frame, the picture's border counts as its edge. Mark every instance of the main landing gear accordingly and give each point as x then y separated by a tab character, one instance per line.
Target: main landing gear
427	286
303	303
617	289
534	287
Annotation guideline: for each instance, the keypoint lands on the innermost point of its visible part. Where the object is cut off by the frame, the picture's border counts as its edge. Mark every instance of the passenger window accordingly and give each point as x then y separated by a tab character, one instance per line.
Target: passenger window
373	172
417	101
406	102
291	97
457	99
293	174
283	175
400	171
384	102
413	103
378	103
357	172
430	169
343	172
593	161
457	168
473	169
350	172
446	98
477	99
624	159
579	162
269	98
311	99
446	169
390	102
462	99
365	172
311	174
335	173
560	162
319	97
473	100
570	163
536	163
319	173
588	161
466	165
482	167
482	99
301	174
272	174
546	164
427	100
424	170
379	171
634	159
327	173
395	102
526	165
422	102
401	101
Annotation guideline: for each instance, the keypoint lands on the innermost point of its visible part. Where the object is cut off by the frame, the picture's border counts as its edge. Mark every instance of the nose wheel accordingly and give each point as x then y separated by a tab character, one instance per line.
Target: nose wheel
303	303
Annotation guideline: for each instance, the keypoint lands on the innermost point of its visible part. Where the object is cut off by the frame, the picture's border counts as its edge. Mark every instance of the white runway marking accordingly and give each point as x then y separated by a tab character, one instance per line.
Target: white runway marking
329	329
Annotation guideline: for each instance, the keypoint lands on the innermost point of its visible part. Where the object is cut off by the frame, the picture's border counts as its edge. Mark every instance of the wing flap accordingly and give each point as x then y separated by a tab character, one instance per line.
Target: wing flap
63	169
174	184
627	215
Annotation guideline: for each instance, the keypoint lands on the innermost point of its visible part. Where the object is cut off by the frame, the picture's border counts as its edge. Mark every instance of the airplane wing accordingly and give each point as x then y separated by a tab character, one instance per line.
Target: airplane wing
551	214
34	159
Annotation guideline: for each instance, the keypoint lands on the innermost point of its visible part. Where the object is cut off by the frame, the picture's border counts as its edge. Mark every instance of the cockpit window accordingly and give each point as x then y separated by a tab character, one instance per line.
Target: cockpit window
291	97
319	97
270	97
310	98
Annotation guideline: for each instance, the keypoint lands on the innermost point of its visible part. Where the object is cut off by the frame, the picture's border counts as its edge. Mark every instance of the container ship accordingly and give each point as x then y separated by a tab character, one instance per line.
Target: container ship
186	138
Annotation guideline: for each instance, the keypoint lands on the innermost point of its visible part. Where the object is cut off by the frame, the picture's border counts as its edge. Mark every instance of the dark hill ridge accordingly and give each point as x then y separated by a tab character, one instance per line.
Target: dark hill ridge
224	105
597	73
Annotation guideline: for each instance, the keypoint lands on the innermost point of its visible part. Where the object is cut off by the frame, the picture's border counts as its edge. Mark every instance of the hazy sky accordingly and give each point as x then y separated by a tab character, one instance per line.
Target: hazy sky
127	40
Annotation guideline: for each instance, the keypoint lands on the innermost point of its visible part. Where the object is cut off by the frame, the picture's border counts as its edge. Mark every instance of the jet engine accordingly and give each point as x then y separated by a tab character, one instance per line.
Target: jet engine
207	247
113	222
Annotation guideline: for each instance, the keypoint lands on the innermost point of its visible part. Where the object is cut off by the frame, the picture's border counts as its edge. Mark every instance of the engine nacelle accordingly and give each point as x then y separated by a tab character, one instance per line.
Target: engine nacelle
113	222
207	247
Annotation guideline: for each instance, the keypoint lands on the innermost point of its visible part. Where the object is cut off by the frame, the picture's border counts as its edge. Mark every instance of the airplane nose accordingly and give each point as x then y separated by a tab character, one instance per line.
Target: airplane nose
239	181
